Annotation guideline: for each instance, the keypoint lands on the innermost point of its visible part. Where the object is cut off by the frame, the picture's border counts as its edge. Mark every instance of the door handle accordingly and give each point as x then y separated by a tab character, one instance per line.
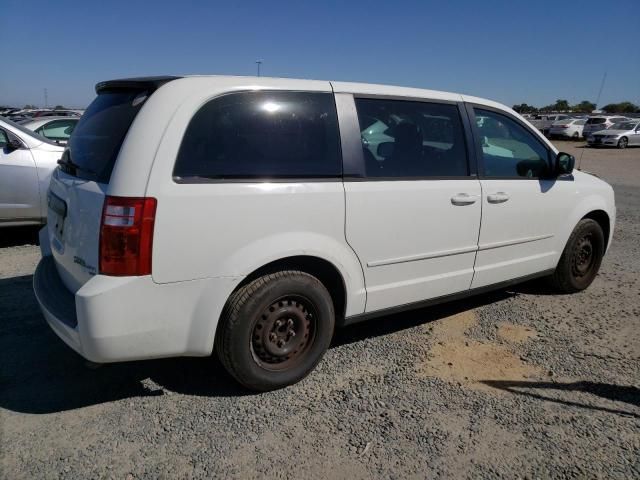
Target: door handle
498	197
461	199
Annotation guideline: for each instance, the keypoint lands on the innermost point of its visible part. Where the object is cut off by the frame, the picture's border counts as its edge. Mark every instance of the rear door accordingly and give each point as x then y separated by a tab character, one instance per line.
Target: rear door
412	198
79	185
19	195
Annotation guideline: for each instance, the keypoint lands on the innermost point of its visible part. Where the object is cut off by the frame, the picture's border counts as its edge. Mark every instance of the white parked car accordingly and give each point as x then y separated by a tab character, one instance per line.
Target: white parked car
56	129
600	122
26	163
248	215
569	128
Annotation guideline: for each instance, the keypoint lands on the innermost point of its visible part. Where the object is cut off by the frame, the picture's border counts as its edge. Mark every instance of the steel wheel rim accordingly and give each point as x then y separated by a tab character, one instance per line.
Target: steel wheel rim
284	332
583	257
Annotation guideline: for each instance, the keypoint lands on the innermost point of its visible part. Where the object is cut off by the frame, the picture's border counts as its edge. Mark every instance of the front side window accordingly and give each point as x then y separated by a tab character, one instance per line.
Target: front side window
262	135
405	139
508	149
4	139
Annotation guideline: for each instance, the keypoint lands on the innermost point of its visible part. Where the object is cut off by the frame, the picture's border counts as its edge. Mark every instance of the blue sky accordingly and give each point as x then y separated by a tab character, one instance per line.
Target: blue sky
509	51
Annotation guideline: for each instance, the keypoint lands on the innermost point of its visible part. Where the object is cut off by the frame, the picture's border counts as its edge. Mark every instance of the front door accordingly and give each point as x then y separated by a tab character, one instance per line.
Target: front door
522	208
19	193
413	215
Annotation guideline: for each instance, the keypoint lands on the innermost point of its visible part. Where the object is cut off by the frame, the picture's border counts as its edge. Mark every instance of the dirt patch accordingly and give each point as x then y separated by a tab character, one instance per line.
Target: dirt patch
515	333
456	357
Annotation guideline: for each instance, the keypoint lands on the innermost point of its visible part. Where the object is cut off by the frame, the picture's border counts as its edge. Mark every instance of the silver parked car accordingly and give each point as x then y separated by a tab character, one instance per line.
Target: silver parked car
600	122
56	129
619	135
26	163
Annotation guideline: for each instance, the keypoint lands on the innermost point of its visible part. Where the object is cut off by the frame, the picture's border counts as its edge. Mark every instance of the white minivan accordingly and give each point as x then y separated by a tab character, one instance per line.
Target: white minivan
256	215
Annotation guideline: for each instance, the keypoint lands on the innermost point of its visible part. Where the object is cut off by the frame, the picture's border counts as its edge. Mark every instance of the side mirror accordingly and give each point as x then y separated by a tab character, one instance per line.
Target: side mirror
13	144
565	164
385	149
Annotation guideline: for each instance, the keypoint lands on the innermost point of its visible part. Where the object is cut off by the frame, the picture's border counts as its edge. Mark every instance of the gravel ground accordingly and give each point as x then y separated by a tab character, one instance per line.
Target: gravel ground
517	383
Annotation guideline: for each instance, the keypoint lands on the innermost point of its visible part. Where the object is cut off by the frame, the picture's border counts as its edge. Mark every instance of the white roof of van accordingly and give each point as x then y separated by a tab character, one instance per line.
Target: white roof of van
348	87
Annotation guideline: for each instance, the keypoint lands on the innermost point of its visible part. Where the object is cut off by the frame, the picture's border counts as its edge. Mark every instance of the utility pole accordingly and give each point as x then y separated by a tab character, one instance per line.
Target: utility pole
259	62
46	99
604	78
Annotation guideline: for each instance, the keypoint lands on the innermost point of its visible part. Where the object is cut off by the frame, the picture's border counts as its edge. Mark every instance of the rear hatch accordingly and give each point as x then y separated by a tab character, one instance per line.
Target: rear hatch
79	185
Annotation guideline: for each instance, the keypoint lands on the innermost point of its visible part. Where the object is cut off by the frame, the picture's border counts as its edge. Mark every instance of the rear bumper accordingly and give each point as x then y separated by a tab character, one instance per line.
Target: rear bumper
114	319
57	303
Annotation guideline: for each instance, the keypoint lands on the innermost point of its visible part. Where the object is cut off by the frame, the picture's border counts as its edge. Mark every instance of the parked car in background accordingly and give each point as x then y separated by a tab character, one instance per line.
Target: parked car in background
544	122
600	122
317	232
568	128
56	129
619	135
55	113
26	162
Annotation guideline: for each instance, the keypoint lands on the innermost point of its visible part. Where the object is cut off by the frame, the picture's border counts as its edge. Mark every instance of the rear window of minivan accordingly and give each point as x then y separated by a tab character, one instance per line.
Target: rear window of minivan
96	140
261	135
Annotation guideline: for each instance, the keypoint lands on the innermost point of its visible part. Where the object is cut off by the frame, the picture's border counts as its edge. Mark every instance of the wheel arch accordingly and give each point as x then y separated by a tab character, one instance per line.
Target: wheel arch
602	218
325	271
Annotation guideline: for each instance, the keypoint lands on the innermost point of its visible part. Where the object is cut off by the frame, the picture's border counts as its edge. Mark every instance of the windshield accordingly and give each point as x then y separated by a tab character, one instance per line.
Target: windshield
95	142
624	126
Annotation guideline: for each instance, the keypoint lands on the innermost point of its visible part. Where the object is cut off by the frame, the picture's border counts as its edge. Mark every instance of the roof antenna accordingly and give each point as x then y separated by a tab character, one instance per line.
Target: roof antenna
604	78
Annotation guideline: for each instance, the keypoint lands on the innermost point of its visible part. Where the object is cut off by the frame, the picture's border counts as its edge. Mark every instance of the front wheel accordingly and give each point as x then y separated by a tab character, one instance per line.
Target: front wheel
623	142
275	329
581	258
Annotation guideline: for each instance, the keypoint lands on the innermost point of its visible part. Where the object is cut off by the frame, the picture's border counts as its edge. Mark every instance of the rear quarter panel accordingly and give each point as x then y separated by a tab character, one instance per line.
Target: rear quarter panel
230	229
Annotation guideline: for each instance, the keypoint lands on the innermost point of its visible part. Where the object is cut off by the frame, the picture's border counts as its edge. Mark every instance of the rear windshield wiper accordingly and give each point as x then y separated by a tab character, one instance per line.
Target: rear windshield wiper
69	164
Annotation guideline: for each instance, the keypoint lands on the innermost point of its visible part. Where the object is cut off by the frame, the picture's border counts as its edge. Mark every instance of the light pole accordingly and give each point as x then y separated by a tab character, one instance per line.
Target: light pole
259	62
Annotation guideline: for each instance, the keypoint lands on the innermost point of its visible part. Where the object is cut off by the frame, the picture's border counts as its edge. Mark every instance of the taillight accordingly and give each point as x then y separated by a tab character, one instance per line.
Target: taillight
126	236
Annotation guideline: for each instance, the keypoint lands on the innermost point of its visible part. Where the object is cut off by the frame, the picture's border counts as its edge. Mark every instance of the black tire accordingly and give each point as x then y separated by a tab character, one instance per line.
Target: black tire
275	329
581	258
623	142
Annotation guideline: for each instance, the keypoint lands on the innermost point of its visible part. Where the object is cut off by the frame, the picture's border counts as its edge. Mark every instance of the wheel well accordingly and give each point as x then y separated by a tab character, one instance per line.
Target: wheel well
322	269
602	218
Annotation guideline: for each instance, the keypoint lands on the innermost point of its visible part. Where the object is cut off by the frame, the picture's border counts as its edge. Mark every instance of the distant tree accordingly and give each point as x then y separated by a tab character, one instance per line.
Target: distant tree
561	106
524	108
29	106
59	107
584	107
622	107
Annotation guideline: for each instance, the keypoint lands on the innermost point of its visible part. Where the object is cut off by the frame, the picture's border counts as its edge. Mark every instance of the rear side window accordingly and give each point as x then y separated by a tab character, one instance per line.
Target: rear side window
596	121
262	135
405	139
98	136
58	129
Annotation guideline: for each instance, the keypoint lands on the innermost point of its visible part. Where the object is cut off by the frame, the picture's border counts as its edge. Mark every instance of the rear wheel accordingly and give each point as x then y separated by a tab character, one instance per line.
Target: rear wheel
581	258
275	330
623	142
